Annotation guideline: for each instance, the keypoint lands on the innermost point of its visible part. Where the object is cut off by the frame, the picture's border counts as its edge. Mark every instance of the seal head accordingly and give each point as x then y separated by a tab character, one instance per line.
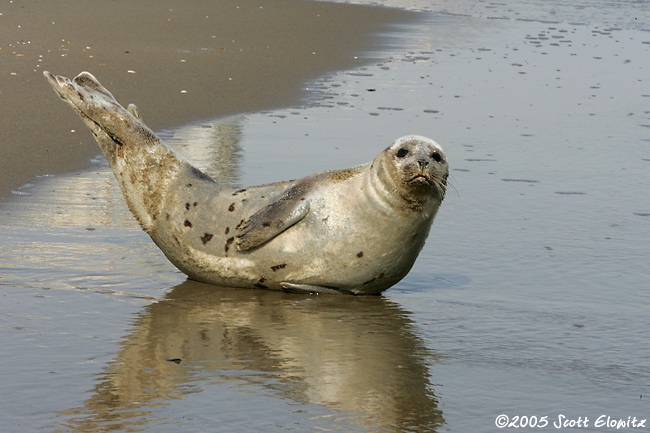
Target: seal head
413	168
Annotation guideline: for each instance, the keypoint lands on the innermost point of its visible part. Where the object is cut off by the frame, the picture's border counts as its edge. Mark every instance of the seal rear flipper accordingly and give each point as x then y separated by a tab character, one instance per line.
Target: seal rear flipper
95	103
134	110
308	288
147	170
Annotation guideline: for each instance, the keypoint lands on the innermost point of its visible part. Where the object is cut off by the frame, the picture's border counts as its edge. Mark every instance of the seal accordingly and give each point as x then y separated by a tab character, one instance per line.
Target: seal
353	231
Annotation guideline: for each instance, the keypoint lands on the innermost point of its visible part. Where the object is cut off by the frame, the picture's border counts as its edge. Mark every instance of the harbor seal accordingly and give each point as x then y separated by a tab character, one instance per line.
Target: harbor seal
353	231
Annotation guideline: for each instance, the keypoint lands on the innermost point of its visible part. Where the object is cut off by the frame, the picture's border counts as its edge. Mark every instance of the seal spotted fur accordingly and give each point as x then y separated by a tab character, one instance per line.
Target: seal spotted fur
355	231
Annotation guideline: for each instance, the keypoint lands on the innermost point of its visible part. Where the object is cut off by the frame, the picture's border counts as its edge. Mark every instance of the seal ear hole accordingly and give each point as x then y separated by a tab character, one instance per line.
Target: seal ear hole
436	157
402	152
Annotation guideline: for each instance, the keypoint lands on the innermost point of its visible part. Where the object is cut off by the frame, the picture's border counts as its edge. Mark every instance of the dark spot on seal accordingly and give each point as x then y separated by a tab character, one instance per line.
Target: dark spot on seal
167	217
360	254
188	185
374	279
187	206
187	224
231	208
239	191
195	204
206	238
276	267
176	239
266	224
227	231
228	242
259	284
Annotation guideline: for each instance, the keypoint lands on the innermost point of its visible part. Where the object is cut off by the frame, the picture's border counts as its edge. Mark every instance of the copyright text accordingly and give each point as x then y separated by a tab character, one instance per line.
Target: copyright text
562	421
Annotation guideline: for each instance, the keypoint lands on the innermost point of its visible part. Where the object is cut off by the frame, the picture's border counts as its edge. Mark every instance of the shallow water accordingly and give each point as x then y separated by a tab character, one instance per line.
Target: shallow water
529	299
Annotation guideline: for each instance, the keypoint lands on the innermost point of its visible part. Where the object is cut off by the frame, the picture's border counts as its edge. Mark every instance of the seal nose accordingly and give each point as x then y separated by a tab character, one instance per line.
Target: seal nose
423	163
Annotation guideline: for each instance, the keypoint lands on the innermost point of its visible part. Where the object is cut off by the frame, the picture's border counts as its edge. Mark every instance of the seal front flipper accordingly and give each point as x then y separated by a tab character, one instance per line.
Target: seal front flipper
276	217
308	288
273	219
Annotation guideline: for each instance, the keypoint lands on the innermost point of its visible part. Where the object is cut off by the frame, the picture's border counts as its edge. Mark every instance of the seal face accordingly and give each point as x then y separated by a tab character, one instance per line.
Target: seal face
418	169
356	231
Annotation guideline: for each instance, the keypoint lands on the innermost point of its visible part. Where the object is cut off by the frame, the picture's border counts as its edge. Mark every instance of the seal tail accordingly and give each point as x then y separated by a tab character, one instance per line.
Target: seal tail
144	166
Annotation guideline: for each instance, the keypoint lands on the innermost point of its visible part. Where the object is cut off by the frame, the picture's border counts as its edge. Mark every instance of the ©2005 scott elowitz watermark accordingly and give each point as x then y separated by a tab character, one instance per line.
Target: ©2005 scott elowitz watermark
562	421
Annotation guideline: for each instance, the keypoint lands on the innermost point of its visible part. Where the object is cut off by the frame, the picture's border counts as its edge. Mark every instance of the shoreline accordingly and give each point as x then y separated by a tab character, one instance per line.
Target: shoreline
179	64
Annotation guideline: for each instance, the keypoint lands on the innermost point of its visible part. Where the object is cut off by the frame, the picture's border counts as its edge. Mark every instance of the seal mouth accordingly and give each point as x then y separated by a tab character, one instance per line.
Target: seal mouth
420	179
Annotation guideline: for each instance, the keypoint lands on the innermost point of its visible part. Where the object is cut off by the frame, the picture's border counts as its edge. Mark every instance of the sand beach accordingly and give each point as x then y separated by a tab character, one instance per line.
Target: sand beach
177	61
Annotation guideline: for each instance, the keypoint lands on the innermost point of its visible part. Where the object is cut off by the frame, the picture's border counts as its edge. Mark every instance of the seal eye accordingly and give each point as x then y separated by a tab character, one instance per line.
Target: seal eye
402	152
436	157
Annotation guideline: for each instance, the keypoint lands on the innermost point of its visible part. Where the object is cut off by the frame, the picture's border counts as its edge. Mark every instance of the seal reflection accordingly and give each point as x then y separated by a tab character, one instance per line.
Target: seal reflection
359	358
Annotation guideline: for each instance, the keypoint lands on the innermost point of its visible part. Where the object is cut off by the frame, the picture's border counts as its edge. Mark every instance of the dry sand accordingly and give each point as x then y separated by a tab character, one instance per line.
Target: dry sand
178	61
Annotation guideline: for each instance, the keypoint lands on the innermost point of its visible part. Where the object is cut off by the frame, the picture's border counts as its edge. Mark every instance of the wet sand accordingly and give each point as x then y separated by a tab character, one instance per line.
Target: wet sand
178	61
